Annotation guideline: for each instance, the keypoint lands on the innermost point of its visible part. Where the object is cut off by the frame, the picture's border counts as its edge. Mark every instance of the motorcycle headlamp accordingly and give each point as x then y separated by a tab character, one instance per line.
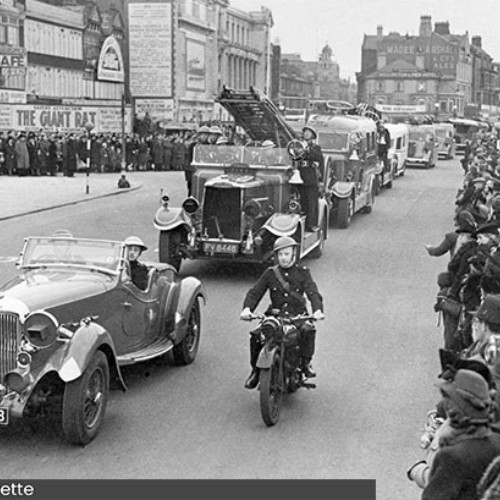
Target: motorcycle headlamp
270	327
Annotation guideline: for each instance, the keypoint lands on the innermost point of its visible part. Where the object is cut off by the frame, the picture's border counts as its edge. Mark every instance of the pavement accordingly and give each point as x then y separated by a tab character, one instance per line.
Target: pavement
27	195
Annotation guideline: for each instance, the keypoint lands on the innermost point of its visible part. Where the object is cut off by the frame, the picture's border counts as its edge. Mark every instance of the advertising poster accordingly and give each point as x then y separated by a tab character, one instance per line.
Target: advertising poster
158	109
150	49
195	65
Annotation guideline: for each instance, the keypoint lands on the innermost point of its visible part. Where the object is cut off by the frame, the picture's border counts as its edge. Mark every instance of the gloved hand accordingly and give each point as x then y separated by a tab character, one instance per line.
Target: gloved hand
416	471
318	314
246	314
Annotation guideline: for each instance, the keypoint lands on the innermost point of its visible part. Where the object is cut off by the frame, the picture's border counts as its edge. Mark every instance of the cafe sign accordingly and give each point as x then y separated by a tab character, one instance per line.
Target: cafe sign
110	65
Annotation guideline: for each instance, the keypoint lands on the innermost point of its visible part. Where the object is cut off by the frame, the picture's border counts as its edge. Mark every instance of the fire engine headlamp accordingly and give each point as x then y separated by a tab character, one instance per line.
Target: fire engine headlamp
191	205
252	208
17	380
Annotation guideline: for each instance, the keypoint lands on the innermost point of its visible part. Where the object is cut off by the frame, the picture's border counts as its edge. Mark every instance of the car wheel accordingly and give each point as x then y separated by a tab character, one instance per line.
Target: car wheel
168	248
185	352
85	400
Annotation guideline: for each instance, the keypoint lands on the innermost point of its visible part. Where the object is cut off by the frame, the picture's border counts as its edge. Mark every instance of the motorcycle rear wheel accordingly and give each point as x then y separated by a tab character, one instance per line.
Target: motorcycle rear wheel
271	392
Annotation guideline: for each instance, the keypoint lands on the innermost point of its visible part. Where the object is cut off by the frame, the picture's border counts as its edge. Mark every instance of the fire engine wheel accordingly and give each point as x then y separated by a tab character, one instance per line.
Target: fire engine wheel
271	393
85	400
367	209
185	352
168	248
389	184
345	212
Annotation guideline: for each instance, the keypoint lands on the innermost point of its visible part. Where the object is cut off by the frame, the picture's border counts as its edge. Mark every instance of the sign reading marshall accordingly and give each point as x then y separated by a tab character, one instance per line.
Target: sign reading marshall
110	65
63	118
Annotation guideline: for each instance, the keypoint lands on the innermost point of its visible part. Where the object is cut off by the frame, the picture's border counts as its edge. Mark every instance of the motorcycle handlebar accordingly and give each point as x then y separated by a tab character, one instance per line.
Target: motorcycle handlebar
261	316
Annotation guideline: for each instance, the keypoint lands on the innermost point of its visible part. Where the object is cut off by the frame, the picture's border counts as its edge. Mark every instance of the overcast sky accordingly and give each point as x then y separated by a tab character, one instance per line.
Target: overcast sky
304	26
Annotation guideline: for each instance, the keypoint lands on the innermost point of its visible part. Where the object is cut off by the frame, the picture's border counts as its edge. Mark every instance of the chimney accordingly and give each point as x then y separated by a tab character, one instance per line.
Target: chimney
476	40
425	26
380	31
442	28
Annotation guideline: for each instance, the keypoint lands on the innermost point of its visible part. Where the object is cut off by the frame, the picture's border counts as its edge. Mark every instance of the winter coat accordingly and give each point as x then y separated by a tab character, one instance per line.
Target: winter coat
22	156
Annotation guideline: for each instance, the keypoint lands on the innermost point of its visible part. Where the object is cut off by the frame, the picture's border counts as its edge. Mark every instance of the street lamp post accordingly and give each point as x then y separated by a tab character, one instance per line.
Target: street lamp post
88	127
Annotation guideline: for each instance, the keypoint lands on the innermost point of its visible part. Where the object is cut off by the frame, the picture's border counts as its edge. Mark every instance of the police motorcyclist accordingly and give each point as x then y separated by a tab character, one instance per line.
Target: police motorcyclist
138	270
287	282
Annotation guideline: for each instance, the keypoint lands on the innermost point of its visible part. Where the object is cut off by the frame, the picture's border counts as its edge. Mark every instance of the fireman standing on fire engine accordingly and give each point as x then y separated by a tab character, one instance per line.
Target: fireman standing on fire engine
311	170
287	283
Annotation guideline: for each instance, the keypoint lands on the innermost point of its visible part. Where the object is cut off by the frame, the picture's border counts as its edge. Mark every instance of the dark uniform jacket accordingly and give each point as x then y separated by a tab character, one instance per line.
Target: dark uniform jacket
301	282
139	274
457	469
309	171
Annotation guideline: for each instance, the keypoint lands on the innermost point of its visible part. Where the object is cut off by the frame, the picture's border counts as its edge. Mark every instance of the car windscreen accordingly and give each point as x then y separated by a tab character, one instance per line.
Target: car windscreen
266	156
420	135
333	141
217	155
72	251
465	129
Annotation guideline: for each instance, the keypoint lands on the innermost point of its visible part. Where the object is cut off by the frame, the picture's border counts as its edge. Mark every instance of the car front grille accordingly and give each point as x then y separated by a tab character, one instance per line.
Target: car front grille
9	342
222	212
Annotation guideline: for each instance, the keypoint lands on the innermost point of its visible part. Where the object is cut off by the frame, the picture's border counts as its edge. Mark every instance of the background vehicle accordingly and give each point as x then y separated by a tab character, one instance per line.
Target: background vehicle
398	151
349	146
279	363
73	317
464	130
422	150
242	196
446	142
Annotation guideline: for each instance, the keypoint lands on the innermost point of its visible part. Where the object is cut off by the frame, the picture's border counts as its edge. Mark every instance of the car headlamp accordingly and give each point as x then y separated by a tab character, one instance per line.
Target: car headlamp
191	205
40	329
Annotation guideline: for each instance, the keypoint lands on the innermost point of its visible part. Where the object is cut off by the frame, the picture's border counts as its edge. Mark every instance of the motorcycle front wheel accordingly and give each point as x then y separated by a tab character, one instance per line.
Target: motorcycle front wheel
271	392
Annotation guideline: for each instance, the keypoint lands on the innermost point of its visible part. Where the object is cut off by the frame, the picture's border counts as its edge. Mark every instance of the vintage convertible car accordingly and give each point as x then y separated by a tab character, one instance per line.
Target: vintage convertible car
73	317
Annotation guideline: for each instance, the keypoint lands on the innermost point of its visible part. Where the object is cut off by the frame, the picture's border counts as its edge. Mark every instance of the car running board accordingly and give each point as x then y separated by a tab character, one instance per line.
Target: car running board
153	351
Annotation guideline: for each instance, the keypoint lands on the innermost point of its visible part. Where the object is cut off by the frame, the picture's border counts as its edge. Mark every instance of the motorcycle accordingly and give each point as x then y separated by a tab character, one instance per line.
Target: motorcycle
279	363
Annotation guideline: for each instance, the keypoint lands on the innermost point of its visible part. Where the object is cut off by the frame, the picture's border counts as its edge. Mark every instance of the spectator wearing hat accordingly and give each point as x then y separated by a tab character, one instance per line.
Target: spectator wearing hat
469	447
10	155
490	282
311	171
22	156
465	224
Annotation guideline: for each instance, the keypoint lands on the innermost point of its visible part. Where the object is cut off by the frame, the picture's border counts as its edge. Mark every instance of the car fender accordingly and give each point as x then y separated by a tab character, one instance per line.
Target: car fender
342	189
282	224
80	348
266	356
184	296
170	218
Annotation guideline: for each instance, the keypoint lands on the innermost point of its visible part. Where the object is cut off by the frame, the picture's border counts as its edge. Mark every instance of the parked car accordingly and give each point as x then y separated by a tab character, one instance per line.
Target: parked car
398	152
242	196
72	318
446	142
422	148
349	146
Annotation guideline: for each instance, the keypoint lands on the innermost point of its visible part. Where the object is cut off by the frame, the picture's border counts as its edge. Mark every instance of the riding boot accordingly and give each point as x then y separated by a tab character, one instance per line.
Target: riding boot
307	368
255	347
307	348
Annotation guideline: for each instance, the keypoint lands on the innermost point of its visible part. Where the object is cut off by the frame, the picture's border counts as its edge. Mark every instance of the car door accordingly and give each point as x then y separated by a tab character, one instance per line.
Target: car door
140	313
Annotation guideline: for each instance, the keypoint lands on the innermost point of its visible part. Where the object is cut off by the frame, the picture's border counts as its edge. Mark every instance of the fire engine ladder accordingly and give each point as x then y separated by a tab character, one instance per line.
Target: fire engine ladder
257	115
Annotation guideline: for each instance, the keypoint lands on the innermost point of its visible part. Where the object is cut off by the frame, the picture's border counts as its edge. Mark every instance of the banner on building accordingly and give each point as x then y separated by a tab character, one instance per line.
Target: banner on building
151	48
195	65
63	119
158	109
401	108
110	65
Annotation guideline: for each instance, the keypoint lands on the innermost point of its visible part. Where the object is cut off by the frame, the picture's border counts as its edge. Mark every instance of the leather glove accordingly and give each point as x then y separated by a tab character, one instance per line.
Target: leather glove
246	314
318	314
412	472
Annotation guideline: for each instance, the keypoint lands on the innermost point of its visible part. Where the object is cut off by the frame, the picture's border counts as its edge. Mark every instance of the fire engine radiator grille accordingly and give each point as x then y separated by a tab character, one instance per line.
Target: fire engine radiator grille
222	212
9	342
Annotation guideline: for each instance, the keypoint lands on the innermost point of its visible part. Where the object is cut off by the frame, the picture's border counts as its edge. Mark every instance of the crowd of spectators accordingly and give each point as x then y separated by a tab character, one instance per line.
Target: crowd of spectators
462	435
44	153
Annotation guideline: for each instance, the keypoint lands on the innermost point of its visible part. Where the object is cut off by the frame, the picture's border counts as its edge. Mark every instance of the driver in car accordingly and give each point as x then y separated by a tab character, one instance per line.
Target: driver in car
138	270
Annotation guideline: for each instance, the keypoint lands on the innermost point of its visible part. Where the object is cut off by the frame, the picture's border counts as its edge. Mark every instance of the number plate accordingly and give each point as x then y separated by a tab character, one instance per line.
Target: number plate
229	248
4	416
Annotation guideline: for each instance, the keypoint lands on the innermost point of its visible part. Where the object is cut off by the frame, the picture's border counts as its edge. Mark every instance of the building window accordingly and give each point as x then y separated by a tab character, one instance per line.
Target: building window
400	86
380	86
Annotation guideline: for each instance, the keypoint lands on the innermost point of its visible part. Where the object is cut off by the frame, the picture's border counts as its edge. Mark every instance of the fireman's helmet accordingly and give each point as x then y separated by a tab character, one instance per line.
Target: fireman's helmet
311	129
214	129
284	242
204	130
135	241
